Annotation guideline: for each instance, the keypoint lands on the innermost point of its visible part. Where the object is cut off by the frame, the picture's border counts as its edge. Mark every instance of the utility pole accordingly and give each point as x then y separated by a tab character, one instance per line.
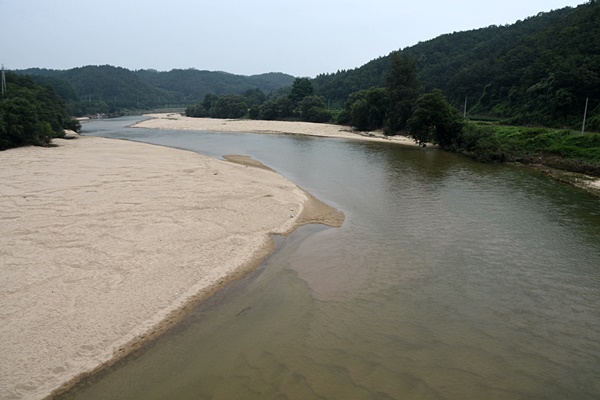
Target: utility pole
584	115
3	81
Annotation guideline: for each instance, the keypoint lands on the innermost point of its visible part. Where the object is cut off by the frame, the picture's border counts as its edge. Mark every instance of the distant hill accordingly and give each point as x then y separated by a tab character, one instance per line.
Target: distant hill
537	71
191	85
108	89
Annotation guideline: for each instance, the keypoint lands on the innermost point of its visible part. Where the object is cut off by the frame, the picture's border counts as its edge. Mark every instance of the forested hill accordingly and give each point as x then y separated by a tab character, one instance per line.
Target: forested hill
193	85
109	89
539	70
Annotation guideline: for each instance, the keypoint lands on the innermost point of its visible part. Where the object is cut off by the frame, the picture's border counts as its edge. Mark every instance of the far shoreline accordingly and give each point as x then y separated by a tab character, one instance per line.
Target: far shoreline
176	121
179	122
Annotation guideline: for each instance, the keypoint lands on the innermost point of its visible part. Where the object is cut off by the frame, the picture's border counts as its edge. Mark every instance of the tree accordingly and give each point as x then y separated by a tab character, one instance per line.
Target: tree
499	65
209	100
254	112
301	88
268	110
21	124
196	111
229	106
318	114
308	103
366	109
254	97
284	107
30	114
434	120
403	90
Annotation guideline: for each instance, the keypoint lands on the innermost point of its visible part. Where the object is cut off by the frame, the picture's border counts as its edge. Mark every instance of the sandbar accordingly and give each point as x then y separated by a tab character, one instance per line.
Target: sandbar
106	243
177	121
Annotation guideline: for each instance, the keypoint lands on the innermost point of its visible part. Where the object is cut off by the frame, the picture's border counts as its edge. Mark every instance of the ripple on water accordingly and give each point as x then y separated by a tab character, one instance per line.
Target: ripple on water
448	280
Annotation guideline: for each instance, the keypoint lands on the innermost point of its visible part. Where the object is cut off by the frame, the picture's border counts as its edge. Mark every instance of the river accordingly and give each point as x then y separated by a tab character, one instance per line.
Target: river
449	279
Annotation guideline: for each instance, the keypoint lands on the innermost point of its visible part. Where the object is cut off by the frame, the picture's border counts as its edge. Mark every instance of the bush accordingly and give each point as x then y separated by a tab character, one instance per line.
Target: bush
318	114
560	149
481	143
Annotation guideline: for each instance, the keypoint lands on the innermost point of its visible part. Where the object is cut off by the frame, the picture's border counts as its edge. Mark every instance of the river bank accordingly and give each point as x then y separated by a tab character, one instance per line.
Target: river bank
107	243
177	121
450	278
584	182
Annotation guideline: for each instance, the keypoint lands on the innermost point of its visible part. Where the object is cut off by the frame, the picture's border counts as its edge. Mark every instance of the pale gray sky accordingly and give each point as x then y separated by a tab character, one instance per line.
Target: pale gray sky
301	38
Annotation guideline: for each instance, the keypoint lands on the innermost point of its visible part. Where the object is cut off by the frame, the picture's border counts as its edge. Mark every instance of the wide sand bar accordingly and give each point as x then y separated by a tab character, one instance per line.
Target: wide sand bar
177	121
105	243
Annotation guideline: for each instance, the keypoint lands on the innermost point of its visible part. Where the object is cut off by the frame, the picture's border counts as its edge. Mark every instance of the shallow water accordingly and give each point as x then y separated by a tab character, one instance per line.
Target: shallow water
449	280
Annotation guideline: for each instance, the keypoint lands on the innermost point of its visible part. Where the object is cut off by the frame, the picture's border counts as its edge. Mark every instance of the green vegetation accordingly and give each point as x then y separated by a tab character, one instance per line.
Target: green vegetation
31	114
403	89
366	110
557	148
535	72
225	106
298	103
538	71
434	120
390	107
112	90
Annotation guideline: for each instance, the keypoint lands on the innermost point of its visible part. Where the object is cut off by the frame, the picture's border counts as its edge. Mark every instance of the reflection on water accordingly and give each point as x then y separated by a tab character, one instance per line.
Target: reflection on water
448	280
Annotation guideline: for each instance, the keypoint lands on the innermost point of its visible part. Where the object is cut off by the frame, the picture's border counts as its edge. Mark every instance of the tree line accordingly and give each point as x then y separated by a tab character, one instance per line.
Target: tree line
31	114
538	71
399	106
297	102
402	105
106	89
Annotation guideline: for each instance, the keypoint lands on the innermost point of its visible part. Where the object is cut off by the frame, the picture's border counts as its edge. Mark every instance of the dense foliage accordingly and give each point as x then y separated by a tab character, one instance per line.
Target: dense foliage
539	71
559	148
403	89
390	107
31	114
434	120
191	85
536	71
112	90
224	106
298	103
366	110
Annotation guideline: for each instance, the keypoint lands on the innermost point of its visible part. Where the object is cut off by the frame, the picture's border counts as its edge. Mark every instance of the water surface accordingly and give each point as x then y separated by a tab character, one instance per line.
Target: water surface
449	280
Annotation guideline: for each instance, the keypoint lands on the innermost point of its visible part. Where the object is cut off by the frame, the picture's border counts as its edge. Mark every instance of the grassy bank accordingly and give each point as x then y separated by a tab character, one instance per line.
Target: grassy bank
556	148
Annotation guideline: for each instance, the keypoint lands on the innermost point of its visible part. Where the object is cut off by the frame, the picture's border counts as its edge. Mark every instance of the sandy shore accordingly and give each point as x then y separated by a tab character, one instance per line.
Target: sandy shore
105	243
177	121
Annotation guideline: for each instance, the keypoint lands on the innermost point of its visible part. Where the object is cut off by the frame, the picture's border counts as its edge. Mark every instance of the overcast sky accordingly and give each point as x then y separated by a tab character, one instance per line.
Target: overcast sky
301	38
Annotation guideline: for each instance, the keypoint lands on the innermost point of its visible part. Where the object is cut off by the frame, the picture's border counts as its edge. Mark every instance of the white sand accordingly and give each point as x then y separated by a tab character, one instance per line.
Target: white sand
177	121
103	243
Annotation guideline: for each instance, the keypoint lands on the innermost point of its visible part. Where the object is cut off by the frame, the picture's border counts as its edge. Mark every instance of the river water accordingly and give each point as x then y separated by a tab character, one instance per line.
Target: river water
448	280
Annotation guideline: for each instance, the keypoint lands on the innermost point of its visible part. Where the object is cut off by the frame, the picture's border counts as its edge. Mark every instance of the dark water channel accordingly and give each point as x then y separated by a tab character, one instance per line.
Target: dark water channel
449	280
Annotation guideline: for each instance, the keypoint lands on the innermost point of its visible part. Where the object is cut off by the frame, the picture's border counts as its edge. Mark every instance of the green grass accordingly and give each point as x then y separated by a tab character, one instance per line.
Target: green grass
558	148
559	142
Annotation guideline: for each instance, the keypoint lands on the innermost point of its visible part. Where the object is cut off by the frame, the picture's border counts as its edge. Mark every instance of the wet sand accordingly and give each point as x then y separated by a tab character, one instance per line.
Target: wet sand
106	243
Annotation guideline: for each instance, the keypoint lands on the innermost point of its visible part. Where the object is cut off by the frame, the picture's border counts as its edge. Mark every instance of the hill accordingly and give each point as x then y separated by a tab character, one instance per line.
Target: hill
191	85
536	71
108	89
